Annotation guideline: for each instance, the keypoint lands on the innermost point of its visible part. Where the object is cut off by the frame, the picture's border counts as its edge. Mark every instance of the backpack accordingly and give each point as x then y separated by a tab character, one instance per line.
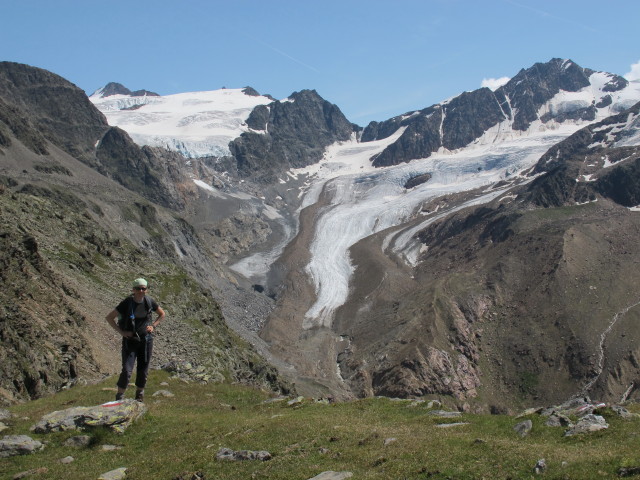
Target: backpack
127	322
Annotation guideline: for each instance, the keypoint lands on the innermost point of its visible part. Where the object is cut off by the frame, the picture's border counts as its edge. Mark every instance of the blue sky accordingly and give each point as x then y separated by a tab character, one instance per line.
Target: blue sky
373	58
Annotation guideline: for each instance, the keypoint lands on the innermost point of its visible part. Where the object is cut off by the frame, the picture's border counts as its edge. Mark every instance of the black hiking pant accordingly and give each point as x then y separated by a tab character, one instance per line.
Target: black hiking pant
134	350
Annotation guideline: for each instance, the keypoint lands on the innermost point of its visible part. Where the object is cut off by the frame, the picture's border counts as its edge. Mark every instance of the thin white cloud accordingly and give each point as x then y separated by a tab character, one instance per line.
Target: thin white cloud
286	55
634	74
494	83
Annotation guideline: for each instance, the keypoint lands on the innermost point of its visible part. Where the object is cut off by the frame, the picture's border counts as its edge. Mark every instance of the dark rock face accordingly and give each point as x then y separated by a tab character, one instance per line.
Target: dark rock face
460	121
133	167
417	180
532	87
113	88
37	104
583	154
295	134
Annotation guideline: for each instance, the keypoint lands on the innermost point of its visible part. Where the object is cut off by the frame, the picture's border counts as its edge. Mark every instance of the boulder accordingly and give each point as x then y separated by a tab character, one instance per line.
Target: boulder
116	415
587	424
558	420
523	428
540	467
234	456
117	474
329	475
11	445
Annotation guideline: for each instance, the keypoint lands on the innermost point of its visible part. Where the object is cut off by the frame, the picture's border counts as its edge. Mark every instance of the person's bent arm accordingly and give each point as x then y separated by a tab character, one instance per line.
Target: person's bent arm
111	320
159	318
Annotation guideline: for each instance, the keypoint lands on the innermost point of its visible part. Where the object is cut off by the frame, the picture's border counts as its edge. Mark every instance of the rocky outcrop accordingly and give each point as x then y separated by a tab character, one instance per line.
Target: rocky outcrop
577	169
114	88
51	107
11	445
288	134
117	416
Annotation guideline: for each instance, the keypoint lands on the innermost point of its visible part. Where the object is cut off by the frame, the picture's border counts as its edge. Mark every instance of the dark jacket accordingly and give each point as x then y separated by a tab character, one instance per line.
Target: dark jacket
129	321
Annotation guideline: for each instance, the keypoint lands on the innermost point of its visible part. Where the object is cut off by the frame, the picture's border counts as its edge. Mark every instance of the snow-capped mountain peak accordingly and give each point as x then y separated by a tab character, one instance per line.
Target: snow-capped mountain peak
196	124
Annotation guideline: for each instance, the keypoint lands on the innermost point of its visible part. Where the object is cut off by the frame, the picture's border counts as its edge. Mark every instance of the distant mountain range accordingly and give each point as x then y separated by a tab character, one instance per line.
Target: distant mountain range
481	249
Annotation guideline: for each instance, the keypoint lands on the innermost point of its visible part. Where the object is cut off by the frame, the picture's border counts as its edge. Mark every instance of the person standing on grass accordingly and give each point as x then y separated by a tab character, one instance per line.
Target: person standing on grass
136	325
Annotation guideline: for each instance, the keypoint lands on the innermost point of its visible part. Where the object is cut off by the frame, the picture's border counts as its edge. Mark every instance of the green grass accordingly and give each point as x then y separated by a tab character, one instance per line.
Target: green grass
183	433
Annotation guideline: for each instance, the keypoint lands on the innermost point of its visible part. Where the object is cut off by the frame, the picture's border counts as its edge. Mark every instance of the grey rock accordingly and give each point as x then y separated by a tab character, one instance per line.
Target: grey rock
623	412
444	414
67	460
587	424
448	425
115	415
628	471
162	393
78	441
523	428
529	411
540	467
5	415
296	401
117	474
3	427
330	475
388	441
226	454
110	448
11	445
578	406
558	420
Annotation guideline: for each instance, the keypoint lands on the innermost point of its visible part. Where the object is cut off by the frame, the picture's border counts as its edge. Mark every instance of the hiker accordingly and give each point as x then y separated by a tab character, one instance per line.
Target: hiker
135	324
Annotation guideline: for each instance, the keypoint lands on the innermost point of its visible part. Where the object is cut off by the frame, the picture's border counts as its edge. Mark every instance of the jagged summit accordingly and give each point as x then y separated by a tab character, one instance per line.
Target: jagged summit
114	88
544	96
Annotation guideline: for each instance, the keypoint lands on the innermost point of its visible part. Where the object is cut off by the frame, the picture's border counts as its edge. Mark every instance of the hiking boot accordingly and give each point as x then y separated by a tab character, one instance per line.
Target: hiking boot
140	396
119	396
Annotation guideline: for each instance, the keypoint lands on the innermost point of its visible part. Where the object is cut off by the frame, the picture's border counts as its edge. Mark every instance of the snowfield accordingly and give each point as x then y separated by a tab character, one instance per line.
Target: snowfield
196	124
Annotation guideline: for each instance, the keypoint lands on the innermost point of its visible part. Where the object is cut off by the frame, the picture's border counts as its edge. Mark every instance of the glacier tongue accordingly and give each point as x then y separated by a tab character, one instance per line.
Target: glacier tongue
366	203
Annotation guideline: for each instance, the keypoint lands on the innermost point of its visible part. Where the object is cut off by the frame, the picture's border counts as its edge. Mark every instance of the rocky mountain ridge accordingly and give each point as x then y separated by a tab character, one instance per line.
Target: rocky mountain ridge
526	99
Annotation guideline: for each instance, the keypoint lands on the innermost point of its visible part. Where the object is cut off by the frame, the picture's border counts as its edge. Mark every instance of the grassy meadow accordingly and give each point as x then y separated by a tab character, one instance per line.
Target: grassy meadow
372	438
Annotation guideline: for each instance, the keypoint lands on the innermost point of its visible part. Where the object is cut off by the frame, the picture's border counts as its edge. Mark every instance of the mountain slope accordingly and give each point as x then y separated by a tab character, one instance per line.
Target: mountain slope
73	238
529	298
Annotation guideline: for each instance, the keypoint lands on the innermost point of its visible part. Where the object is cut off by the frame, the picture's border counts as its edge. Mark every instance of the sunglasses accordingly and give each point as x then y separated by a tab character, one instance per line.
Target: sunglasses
140	289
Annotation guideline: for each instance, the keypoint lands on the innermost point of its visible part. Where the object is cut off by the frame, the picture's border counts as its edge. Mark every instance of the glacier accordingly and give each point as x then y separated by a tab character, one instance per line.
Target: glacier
362	200
195	124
